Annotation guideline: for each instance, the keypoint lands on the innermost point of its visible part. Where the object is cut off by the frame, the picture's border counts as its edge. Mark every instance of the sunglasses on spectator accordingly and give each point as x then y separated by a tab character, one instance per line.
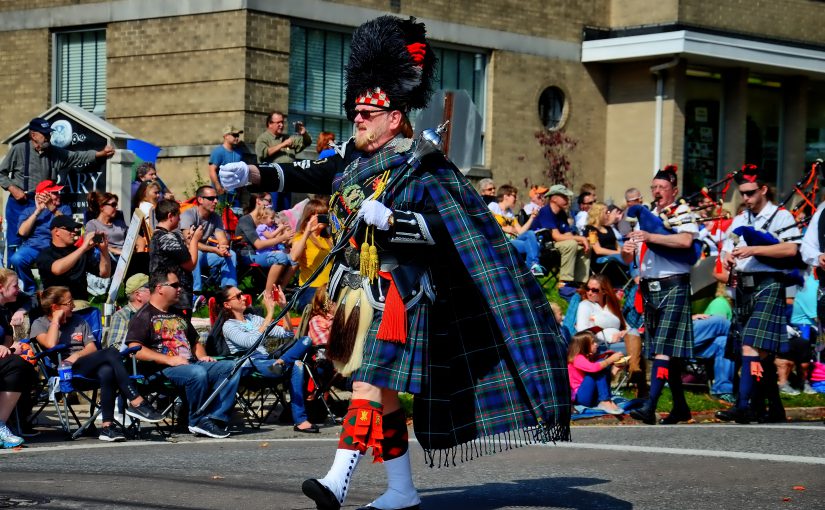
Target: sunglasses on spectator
591	289
212	198
238	296
111	204
749	193
235	135
588	203
174	285
365	114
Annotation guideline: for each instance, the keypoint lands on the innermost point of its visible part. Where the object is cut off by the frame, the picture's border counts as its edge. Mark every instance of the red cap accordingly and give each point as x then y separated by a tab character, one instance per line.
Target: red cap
47	186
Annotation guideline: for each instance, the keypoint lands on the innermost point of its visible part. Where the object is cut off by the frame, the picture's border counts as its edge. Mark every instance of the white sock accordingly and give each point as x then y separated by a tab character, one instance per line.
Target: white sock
400	492
339	476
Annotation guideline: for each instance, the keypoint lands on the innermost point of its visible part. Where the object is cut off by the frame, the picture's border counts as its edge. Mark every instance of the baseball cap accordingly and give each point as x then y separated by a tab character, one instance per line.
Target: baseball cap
47	186
536	191
559	189
229	128
135	282
40	125
64	221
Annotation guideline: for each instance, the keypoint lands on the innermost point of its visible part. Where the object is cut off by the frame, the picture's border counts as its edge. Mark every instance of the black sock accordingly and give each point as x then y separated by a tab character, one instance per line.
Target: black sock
674	380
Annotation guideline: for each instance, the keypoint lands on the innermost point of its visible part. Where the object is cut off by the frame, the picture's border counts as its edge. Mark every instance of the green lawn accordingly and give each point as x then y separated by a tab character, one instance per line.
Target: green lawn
704	402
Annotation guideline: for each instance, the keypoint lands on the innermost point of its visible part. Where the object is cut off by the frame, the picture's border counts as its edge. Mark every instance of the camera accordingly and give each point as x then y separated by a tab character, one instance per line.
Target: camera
97	238
297	125
323	218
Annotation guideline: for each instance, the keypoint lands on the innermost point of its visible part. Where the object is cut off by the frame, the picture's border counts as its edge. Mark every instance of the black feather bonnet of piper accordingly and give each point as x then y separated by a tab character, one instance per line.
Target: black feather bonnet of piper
668	174
391	65
749	173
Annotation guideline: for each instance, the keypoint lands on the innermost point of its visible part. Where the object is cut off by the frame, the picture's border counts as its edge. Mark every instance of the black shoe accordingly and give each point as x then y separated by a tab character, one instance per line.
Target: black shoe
773	417
276	369
309	430
111	434
370	507
644	414
323	497
675	417
144	412
209	429
734	414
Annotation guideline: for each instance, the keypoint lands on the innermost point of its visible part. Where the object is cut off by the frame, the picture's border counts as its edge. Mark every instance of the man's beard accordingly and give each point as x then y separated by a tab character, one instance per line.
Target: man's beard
364	138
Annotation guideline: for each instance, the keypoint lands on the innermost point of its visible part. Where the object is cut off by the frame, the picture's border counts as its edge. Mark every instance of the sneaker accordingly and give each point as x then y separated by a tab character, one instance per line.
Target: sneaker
144	412
209	429
726	398
537	270
609	409
9	440
198	301
808	390
111	434
787	389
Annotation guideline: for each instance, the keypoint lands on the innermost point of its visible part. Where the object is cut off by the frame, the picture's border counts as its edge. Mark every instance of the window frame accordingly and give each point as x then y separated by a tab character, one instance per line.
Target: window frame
56	64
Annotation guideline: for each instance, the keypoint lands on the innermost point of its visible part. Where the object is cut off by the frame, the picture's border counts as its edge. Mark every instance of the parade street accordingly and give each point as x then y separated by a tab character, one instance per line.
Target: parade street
683	466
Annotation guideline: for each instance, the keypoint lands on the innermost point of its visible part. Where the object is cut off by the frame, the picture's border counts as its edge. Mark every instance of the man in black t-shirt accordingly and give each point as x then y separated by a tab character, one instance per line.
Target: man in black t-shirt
170	252
171	345
64	264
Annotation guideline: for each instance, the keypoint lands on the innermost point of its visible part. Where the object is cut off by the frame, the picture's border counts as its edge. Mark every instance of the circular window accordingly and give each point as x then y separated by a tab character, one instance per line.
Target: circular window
551	107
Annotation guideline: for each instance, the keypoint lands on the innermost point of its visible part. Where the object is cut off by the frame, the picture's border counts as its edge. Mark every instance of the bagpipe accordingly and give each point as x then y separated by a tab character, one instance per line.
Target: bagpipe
754	236
654	224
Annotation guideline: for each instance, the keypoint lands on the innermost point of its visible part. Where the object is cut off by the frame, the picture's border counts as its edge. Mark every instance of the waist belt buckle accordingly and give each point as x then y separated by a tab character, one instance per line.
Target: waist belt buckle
747	281
655	286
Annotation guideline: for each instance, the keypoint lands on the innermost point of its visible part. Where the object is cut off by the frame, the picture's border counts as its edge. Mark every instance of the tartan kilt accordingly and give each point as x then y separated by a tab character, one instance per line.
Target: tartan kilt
668	325
760	312
394	365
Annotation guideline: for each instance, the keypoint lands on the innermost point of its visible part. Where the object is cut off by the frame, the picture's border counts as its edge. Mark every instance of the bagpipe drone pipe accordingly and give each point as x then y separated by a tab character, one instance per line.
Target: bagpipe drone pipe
649	222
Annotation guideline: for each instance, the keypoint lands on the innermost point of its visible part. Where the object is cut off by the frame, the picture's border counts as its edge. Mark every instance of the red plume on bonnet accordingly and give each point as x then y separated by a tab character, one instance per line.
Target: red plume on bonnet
667	174
749	173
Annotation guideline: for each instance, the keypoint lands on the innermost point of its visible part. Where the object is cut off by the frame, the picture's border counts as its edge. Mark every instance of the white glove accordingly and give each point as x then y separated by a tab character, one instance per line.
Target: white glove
375	213
234	175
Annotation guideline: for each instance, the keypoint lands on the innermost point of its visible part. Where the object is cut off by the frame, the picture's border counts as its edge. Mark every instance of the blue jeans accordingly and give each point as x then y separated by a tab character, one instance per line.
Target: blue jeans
709	338
270	258
13	210
294	370
595	388
215	265
23	260
527	244
199	379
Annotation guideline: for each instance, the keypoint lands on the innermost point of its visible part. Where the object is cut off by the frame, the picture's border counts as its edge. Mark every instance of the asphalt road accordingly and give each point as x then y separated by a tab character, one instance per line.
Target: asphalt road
688	466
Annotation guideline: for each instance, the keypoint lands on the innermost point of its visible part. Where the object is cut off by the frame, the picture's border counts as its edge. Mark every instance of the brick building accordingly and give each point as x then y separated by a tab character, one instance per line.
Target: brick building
639	83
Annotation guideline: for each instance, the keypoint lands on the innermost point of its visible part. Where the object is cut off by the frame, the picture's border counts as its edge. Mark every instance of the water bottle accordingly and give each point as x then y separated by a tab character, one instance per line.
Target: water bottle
64	372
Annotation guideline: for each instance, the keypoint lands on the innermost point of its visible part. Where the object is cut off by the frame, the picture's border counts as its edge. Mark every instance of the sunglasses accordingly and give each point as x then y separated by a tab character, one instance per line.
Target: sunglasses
236	135
211	199
238	296
588	203
749	193
174	285
111	204
591	289
365	114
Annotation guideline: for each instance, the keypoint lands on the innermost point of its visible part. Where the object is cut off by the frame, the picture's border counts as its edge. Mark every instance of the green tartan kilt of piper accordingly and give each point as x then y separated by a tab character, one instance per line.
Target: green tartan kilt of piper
760	313
668	324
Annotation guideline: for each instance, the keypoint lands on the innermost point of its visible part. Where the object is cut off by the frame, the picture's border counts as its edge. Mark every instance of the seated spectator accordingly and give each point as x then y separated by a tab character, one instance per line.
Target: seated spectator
585	201
487	190
632	196
103	208
241	330
281	267
33	230
600	307
137	292
146	199
59	327
16	375
604	246
64	265
214	255
589	375
710	335
802	336
521	237
170	252
172	347
320	317
574	249
324	147
147	172
537	200
310	246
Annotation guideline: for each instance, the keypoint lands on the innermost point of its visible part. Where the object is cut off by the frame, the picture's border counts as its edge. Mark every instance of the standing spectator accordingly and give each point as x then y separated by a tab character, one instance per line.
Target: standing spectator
275	146
631	197
63	264
487	190
137	292
31	162
214	254
103	208
325	140
169	252
146	199
590	376
537	199
310	246
147	172
59	327
575	260
34	230
172	347
521	237
585	202
227	152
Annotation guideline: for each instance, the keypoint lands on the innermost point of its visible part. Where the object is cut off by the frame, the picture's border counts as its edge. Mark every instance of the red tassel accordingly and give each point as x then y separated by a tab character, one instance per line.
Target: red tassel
393	327
756	370
661	373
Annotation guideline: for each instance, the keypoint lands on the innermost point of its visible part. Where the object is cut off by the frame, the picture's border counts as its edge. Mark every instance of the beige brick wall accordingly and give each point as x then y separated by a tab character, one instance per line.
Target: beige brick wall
25	84
625	13
513	153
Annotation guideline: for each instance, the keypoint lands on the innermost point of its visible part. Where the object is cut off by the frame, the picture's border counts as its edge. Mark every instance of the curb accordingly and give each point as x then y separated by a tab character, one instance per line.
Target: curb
794	414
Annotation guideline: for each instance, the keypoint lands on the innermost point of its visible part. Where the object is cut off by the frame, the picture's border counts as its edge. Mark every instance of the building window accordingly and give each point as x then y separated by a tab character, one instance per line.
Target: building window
552	109
80	69
317	78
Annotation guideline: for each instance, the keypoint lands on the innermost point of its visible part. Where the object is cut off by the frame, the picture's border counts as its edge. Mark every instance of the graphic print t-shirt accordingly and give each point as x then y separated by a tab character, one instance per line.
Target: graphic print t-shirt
166	332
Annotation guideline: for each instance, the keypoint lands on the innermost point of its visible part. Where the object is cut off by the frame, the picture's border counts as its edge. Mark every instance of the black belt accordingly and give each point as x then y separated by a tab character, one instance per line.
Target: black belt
756	279
657	284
